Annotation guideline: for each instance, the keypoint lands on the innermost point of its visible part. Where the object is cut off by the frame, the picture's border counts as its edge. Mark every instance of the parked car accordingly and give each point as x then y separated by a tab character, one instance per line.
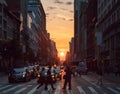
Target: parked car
82	68
19	74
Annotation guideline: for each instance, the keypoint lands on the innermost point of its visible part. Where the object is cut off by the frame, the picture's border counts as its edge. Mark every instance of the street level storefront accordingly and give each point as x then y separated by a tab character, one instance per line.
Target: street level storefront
92	63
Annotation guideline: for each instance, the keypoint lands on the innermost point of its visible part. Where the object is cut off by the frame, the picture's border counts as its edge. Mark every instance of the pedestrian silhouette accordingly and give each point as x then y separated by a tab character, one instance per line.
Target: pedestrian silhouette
49	79
67	77
42	78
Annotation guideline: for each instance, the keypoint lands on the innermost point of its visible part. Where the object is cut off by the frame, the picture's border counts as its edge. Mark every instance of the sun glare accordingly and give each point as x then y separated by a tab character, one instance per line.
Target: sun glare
62	54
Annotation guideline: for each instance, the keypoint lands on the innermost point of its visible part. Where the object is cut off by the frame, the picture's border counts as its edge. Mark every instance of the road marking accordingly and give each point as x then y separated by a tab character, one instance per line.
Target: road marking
33	90
91	82
69	92
19	91
81	90
93	90
46	91
5	87
29	85
11	89
118	88
116	92
57	91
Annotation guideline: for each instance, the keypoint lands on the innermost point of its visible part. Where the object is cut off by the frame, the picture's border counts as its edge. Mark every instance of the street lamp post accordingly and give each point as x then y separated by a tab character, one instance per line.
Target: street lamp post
100	62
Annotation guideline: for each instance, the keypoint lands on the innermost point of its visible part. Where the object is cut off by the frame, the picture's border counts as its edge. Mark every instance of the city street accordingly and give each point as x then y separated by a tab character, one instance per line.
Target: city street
86	84
45	41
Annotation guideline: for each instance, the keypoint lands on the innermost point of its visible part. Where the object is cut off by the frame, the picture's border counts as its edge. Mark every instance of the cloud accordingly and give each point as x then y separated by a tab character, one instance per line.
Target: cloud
62	17
51	8
58	2
70	19
71	11
47	14
69	3
63	9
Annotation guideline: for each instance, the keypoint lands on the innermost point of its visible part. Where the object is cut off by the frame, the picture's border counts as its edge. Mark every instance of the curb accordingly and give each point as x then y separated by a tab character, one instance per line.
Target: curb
108	78
116	80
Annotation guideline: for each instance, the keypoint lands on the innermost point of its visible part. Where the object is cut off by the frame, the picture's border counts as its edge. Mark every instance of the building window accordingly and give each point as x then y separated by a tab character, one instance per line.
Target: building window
5	24
0	32
5	35
0	20
0	7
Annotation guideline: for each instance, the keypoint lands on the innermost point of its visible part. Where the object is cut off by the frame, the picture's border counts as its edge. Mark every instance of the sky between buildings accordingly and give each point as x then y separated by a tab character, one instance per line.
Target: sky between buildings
59	17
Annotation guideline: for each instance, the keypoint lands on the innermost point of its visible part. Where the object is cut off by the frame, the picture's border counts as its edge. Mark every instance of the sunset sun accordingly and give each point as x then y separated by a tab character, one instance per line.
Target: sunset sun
62	54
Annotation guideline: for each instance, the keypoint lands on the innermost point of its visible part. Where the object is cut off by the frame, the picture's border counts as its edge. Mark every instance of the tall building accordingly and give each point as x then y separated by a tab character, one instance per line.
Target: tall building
37	27
76	27
53	53
9	36
91	34
71	50
79	35
109	25
19	9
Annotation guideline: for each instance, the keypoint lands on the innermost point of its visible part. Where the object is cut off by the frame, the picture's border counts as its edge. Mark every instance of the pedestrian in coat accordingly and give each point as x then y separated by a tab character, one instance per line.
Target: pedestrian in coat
42	78
67	78
49	79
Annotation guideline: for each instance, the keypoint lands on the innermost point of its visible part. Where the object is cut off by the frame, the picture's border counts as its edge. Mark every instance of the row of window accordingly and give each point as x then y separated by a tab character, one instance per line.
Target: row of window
0	20
7	24
114	17
112	42
105	7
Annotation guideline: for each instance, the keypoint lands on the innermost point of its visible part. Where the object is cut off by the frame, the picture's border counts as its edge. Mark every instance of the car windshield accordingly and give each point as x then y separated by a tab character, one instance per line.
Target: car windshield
57	69
19	70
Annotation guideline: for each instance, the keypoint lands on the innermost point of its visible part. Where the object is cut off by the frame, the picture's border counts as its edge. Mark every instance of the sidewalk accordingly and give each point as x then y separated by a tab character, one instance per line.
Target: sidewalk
109	77
3	74
3	78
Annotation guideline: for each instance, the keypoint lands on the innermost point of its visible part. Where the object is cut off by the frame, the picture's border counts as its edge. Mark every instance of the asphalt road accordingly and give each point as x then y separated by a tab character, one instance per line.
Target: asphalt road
80	85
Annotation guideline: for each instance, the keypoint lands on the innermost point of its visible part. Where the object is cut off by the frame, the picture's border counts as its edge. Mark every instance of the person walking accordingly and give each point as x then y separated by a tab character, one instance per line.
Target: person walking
49	79
42	78
67	77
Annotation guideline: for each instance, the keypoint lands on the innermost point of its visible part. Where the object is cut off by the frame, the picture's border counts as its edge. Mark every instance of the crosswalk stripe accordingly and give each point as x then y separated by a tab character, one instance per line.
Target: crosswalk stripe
116	92
19	91
49	87
69	92
33	90
118	88
57	91
93	90
5	87
46	91
11	88
81	90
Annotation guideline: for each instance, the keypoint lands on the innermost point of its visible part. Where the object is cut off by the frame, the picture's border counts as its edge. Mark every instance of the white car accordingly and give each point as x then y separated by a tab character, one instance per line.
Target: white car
82	68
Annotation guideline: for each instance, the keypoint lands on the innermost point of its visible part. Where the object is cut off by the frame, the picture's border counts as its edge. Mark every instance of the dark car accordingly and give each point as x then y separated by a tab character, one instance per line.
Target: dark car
19	74
82	68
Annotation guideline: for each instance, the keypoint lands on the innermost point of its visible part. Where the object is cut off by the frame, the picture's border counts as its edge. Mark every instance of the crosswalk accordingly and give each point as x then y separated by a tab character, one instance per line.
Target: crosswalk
31	89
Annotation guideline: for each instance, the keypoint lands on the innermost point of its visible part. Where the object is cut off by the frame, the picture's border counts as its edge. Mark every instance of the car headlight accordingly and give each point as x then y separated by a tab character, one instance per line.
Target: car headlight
23	75
52	76
38	75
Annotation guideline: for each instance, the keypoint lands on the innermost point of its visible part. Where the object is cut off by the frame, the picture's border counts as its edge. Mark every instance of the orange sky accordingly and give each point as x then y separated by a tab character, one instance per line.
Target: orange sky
59	15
